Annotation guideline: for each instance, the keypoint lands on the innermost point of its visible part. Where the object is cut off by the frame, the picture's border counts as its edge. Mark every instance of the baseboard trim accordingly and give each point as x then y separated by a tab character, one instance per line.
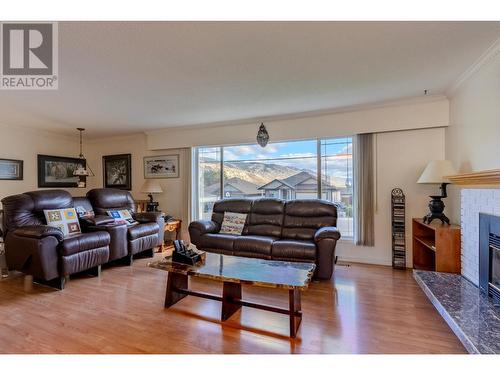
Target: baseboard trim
364	260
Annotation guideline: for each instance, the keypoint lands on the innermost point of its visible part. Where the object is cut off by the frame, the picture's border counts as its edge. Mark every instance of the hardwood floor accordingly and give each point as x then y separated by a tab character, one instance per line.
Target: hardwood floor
365	309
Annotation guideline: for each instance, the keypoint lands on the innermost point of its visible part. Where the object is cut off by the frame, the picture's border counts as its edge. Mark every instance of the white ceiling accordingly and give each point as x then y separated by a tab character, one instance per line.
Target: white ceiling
125	77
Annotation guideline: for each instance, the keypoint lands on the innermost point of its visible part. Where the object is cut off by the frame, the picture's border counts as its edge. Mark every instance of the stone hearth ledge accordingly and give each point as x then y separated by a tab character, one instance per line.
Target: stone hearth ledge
470	314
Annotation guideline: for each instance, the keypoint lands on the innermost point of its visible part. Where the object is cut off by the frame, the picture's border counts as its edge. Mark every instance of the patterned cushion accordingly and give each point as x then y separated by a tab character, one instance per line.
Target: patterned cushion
64	219
83	213
122	216
233	223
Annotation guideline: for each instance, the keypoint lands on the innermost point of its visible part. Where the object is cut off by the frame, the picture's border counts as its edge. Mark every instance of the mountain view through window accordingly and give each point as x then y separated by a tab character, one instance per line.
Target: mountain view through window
284	170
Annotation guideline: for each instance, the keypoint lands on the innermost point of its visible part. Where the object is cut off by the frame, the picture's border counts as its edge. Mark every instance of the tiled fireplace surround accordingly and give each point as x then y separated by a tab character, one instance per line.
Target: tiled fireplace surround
474	201
470	314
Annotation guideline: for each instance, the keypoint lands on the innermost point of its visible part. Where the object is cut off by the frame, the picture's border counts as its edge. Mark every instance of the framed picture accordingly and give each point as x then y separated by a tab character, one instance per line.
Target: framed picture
11	169
161	166
57	171
117	171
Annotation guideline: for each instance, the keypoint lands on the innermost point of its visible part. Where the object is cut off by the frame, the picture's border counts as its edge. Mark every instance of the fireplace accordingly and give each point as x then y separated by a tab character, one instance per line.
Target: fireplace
489	256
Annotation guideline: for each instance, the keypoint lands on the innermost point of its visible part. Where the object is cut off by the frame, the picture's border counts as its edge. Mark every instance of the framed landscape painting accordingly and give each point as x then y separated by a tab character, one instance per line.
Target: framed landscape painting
11	169
118	171
57	171
161	166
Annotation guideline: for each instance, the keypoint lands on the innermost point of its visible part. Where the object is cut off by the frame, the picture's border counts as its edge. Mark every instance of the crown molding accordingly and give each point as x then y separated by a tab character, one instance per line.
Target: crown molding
299	115
491	53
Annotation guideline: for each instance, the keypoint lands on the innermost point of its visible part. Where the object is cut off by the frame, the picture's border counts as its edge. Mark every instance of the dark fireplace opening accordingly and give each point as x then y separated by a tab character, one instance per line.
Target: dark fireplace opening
495	264
489	256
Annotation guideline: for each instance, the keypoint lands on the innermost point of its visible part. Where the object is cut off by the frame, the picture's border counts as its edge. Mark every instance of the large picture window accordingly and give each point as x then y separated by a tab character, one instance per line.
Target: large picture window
284	170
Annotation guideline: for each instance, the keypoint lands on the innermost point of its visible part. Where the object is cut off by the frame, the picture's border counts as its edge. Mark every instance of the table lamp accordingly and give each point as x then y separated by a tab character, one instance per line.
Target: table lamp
434	174
150	187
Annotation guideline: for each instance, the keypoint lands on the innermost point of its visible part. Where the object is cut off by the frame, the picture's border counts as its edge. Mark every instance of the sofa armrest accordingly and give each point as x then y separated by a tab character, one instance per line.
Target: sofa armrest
204	226
147	217
326	232
326	241
152	217
97	220
39	232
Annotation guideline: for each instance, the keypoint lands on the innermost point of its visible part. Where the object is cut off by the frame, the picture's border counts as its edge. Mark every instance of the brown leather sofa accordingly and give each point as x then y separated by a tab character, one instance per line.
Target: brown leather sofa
297	230
40	250
143	237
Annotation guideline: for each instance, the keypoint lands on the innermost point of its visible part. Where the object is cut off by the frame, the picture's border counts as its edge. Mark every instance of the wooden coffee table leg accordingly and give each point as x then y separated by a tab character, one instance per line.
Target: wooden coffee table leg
230	292
174	282
294	311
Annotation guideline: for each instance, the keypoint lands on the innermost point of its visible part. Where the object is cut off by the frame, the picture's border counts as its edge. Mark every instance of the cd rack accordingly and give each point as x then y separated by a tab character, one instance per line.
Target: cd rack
398	229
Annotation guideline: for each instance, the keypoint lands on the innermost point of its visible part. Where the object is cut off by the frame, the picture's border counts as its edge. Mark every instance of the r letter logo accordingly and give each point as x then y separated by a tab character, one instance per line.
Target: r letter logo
29	56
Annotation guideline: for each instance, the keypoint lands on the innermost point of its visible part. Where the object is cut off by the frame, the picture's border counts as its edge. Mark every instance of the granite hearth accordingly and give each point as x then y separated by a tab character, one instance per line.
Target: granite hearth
470	314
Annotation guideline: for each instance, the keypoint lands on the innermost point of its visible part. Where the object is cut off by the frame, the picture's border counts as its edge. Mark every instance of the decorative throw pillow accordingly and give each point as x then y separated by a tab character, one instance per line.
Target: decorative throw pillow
83	213
122	216
65	219
233	223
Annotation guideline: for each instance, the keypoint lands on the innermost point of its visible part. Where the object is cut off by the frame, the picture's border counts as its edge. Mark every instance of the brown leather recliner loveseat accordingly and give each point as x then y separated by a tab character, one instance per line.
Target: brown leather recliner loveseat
40	250
297	230
131	240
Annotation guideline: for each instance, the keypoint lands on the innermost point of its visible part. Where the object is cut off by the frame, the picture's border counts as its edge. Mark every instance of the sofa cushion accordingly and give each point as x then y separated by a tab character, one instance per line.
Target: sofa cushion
266	217
83	207
233	223
304	217
242	206
217	241
85	241
65	219
293	249
142	230
253	244
106	199
121	216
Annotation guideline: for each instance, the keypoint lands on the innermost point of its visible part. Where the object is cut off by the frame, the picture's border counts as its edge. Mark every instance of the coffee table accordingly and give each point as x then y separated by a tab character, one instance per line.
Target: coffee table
234	271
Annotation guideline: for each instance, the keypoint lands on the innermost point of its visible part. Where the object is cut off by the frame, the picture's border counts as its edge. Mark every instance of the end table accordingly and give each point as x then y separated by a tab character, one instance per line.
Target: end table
172	225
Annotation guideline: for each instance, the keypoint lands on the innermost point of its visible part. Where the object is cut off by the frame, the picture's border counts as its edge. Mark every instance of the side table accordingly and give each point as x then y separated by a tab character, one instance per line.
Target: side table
173	225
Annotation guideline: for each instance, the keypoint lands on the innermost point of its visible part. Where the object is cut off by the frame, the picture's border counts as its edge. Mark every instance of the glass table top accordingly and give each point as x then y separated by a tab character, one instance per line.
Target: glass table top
261	272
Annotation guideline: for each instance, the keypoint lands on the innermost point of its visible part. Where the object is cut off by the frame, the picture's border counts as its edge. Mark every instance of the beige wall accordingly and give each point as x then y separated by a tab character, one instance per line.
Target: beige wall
176	193
400	159
419	113
24	144
472	139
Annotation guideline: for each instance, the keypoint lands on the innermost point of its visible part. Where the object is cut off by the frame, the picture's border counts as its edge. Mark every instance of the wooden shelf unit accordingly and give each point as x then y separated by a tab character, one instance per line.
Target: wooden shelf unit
436	246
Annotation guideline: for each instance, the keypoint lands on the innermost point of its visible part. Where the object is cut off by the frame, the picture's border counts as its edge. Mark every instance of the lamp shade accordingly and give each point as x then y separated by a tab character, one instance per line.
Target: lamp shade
435	171
151	186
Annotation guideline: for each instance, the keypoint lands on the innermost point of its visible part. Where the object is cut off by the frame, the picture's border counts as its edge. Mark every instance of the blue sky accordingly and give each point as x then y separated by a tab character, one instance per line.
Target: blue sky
298	154
281	150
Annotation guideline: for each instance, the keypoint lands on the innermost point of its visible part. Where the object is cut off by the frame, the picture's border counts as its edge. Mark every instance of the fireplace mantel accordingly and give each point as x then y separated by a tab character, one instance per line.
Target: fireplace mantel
490	177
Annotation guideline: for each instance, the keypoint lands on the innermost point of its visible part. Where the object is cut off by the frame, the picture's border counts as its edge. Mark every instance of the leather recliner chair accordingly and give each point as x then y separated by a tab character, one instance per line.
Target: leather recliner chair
142	237
297	230
40	250
117	232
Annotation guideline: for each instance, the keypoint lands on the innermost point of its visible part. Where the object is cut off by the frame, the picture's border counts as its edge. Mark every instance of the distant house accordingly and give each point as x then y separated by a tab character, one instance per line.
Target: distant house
233	188
299	186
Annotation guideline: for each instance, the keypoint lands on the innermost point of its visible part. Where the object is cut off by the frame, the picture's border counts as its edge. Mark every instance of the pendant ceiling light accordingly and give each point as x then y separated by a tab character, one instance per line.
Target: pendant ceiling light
82	170
262	135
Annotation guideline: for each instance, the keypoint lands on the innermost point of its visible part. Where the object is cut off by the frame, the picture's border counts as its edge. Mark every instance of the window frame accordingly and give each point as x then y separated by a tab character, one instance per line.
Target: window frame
195	209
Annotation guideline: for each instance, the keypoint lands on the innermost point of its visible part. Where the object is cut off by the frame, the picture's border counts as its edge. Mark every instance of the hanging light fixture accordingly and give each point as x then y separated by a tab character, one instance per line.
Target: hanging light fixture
82	170
262	135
